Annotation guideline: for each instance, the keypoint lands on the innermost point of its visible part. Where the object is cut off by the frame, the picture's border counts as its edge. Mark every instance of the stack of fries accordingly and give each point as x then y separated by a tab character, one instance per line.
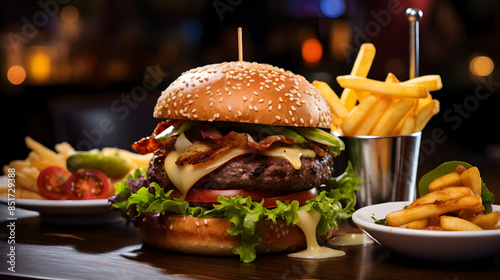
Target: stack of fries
453	203
371	107
41	157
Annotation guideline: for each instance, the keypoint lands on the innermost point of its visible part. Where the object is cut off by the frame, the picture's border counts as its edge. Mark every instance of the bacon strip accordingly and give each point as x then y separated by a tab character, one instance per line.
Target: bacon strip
149	144
211	144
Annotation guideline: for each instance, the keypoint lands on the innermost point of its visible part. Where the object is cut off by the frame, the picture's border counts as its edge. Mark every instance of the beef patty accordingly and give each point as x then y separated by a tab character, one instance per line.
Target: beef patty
254	171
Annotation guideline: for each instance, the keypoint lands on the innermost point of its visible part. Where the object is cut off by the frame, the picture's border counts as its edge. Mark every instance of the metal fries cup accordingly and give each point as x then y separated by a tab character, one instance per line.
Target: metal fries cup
387	164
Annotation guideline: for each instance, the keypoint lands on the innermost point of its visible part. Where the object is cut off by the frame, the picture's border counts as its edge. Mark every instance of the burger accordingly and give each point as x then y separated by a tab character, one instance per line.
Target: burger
241	148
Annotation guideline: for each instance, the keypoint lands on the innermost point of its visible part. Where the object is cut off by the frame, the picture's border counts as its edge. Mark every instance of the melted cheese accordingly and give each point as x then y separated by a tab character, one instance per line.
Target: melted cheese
308	223
291	154
184	177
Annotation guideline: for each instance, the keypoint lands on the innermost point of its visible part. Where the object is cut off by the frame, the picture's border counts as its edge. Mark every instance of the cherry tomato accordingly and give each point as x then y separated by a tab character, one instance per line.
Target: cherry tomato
51	182
87	184
301	197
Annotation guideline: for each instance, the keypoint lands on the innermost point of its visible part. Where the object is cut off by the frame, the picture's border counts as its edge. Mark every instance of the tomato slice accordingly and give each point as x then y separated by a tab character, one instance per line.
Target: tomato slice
301	197
201	196
207	195
51	182
87	184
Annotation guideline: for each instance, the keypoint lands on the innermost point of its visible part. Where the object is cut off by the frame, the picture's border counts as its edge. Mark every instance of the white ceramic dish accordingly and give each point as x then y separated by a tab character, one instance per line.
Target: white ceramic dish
426	244
70	212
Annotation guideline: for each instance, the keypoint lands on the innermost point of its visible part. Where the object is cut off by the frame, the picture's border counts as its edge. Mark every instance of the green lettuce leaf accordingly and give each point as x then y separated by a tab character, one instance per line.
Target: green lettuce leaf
335	204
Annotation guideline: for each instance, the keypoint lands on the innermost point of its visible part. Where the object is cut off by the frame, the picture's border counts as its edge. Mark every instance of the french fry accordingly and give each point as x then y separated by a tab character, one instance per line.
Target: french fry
417	224
331	98
45	153
425	114
472	179
65	149
405	126
431	82
366	126
404	216
487	221
25	181
361	67
391	89
390	118
358	114
448	180
391	78
442	194
457	224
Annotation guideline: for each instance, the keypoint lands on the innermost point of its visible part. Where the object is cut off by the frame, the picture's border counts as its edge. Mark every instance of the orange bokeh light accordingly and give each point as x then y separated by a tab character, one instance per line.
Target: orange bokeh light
16	75
481	66
312	51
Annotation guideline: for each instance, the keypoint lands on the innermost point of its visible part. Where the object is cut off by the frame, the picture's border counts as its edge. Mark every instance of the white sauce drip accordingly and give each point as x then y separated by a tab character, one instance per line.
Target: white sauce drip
308	222
350	239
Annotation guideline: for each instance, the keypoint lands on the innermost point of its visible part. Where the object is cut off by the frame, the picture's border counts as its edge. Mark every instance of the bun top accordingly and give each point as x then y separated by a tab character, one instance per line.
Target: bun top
244	92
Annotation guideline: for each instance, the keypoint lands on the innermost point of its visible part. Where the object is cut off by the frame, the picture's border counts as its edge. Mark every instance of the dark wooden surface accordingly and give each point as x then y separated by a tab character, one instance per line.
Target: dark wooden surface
115	251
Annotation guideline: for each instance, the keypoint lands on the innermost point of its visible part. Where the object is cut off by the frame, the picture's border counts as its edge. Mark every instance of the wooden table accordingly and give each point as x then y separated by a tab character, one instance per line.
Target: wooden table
115	251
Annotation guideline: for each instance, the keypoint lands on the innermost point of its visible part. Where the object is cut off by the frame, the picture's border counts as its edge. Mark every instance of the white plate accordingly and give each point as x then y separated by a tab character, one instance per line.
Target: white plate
427	244
70	212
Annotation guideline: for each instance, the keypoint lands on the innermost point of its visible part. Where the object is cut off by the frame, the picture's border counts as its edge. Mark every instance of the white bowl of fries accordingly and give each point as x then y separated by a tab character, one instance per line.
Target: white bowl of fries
427	244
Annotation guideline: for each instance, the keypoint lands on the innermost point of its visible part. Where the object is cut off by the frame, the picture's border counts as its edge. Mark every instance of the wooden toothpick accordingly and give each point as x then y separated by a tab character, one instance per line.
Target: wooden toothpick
240	45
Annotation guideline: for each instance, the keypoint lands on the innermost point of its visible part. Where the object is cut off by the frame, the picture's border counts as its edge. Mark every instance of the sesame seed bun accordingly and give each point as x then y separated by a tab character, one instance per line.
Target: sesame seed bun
244	92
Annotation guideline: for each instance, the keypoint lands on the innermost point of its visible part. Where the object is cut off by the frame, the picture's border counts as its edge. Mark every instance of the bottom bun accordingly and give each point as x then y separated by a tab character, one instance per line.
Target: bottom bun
208	236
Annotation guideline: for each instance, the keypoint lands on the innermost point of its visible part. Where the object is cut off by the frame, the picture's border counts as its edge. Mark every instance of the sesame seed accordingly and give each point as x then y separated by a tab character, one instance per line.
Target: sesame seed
239	114
244	98
278	118
281	99
193	111
255	108
205	221
290	112
250	107
301	120
256	93
229	108
197	224
171	226
270	108
293	109
261	88
261	100
211	104
220	100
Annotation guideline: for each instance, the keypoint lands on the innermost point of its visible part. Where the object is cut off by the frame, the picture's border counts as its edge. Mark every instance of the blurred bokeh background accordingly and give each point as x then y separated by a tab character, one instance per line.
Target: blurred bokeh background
89	72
